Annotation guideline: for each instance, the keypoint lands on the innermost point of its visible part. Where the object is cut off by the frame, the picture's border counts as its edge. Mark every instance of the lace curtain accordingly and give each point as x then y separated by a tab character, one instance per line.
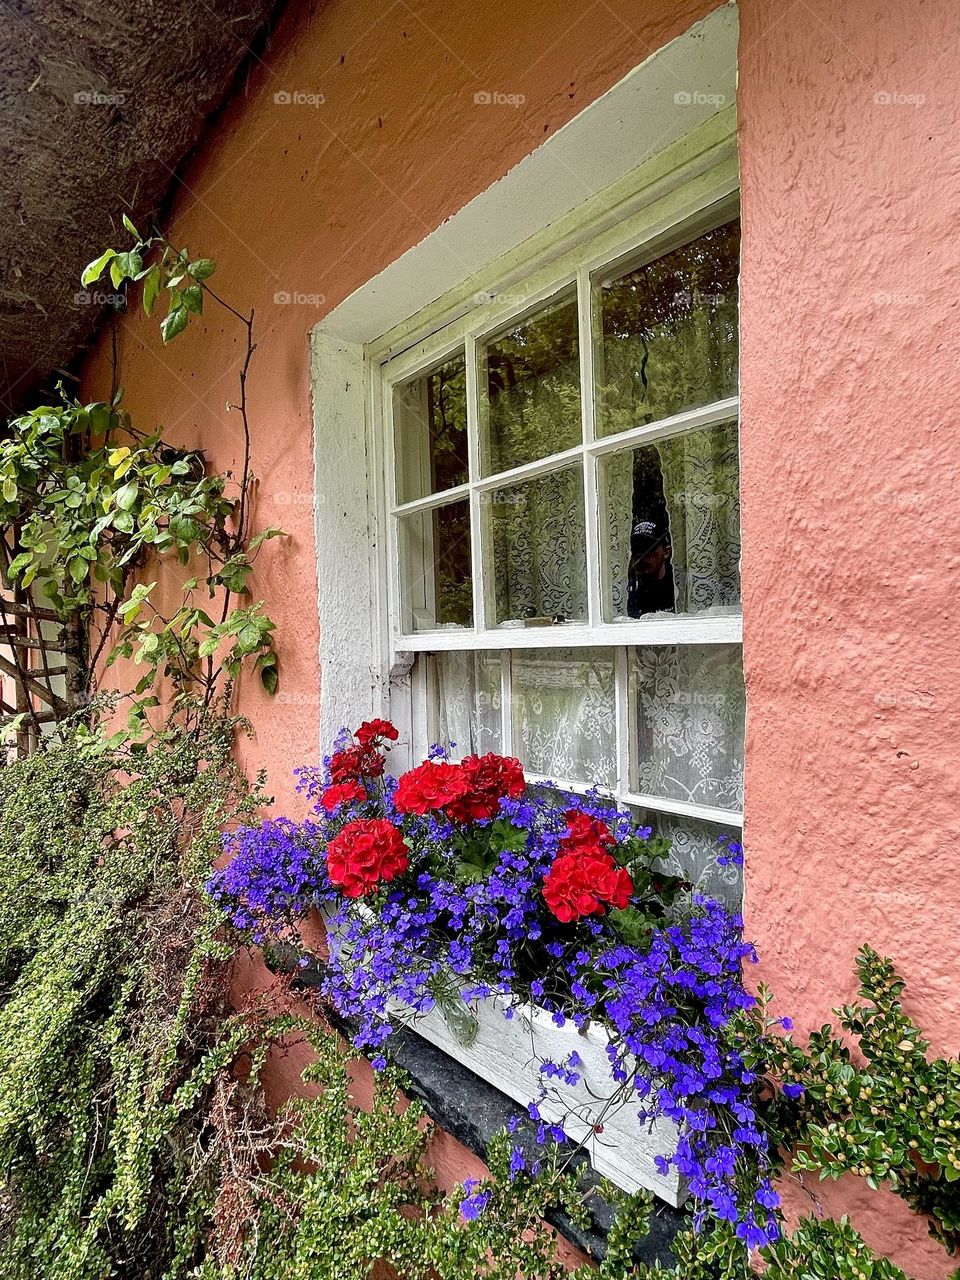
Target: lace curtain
690	706
469	702
563	714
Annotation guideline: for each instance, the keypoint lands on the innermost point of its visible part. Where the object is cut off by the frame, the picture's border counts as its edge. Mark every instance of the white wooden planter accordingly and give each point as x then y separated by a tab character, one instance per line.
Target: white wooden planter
508	1053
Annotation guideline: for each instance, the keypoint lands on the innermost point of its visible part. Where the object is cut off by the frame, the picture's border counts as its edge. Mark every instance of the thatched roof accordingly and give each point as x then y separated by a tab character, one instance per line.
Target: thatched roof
100	101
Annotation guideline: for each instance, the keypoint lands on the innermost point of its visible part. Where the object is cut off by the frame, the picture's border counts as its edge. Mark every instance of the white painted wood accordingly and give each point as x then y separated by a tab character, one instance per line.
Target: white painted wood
654	629
353	658
509	1053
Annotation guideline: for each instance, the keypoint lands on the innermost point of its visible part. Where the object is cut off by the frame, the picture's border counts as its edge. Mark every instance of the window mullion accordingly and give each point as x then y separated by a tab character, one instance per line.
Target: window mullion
592	525
477	532
622	708
506	702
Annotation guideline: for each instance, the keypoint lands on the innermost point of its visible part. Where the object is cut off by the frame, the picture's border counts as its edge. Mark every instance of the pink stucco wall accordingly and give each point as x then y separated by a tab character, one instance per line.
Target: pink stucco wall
850	473
849	375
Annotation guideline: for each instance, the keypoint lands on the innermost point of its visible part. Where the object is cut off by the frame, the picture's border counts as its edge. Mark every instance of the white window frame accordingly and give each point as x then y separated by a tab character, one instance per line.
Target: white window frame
684	210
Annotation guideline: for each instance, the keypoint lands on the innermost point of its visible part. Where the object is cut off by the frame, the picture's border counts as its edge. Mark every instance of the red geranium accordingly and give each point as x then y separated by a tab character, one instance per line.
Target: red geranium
366	852
356	762
431	785
342	793
372	731
487	779
584	832
585	883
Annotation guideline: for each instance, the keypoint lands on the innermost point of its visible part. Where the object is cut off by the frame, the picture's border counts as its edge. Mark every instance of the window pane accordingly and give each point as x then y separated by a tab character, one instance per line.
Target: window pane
436	583
564	723
667	333
689	707
530	389
537	541
468	696
430	431
672	520
695	852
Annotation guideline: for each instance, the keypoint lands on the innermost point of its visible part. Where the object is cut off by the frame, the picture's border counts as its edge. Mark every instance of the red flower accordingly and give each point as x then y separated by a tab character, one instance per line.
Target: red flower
585	883
431	785
353	763
342	793
584	832
366	852
372	731
487	780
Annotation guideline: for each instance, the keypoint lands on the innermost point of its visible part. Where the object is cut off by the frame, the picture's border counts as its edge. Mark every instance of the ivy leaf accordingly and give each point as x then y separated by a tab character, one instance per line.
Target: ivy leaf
94	270
174	323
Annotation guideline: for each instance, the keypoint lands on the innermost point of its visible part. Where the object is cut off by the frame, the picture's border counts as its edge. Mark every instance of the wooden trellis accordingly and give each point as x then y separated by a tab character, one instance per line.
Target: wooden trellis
40	669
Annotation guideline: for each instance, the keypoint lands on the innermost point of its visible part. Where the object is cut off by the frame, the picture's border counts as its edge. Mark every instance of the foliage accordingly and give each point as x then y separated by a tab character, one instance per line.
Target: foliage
114	1025
86	497
452	885
895	1119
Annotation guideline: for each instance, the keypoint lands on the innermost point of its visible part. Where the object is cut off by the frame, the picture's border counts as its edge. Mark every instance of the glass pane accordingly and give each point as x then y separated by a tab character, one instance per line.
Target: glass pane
538	550
689	704
672	520
564	723
530	389
468	695
667	337
695	854
436	583
430	431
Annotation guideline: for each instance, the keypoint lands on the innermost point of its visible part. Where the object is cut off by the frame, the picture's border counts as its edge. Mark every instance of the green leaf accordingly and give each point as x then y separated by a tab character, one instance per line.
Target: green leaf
125	266
193	299
94	270
151	289
10	489
174	323
126	495
270	679
131	228
202	268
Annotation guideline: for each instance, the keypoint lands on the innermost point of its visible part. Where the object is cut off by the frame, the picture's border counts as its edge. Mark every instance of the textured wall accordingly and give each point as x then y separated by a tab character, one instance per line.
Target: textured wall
851	470
849	378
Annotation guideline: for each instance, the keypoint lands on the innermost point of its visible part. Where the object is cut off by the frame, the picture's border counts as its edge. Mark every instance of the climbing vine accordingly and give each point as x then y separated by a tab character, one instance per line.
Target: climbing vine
91	505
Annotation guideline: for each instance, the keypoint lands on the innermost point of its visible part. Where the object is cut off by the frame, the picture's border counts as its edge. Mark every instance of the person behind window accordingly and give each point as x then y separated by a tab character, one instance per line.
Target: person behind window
650	578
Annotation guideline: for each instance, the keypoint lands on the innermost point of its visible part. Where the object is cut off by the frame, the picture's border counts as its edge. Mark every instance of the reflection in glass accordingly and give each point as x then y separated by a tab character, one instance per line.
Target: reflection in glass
689	704
538	544
668	333
530	389
430	431
564	723
436	582
672	520
468	695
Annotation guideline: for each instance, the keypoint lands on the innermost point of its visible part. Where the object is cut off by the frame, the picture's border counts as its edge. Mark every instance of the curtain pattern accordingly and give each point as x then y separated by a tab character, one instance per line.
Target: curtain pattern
690	715
563	714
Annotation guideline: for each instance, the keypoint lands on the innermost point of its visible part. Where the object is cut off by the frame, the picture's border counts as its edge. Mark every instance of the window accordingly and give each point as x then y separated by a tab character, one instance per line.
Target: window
564	546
